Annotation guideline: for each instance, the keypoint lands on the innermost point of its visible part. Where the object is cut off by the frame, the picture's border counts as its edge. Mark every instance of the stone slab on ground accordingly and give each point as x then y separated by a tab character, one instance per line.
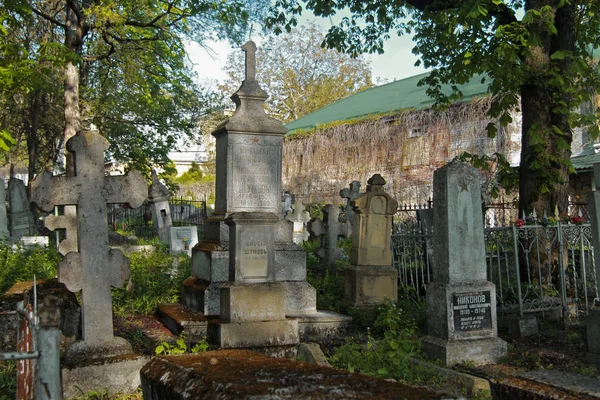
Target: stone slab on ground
471	384
241	374
320	324
511	388
181	319
312	353
119	374
580	384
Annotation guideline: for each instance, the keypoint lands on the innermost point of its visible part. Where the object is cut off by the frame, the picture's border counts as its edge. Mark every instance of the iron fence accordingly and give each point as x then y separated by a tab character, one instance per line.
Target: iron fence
138	221
535	268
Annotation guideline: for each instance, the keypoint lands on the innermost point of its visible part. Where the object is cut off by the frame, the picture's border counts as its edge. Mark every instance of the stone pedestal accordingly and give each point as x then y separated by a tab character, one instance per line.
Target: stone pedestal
461	304
593	336
158	196
370	285
461	323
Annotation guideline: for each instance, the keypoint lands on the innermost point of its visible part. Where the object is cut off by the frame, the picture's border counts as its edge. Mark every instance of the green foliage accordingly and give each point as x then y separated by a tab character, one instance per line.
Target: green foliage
194	175
180	347
328	281
504	177
8	380
20	264
388	357
155	278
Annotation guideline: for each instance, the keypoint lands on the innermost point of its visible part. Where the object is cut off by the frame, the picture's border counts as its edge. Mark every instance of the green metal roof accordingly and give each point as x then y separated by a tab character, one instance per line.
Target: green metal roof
586	159
392	96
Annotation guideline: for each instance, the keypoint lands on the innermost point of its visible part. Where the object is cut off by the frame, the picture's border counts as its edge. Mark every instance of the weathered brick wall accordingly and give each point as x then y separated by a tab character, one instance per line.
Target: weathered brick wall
405	150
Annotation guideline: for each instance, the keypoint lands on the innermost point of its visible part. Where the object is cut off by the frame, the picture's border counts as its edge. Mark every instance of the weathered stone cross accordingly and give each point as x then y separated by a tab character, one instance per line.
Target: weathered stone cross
93	269
250	50
329	229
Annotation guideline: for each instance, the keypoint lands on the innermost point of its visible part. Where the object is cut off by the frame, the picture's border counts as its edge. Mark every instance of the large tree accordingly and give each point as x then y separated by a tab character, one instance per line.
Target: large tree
300	75
124	67
537	56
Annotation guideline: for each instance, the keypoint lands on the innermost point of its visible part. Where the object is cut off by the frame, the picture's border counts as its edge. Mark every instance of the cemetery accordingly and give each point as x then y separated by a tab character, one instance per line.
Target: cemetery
270	297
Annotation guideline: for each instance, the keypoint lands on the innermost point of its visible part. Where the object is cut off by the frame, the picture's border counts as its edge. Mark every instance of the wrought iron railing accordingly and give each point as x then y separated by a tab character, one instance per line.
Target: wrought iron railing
535	268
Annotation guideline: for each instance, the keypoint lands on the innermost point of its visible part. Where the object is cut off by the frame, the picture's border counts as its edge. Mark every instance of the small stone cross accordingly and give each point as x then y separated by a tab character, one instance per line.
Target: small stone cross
350	193
329	229
250	49
299	216
94	268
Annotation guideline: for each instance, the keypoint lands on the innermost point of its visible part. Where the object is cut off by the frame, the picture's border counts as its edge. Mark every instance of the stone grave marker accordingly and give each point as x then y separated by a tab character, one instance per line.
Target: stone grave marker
593	319
349	194
299	217
286	204
183	239
252	301
461	303
158	196
329	229
31	241
21	217
93	268
371	279
4	233
248	182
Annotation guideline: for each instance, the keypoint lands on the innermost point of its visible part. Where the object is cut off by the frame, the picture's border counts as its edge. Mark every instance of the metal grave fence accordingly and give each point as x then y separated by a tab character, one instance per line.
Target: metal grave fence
535	268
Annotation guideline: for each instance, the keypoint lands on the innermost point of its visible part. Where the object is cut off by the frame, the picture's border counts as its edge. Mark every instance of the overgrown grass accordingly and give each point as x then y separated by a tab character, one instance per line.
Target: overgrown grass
155	278
8	381
20	264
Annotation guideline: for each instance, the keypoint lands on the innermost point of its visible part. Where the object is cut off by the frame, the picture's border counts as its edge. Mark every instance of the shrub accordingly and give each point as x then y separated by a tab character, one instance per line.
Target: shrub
20	264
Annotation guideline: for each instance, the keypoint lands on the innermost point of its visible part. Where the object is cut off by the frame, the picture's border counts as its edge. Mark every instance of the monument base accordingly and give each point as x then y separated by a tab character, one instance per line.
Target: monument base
82	350
593	336
520	326
253	334
478	351
366	286
320	324
120	374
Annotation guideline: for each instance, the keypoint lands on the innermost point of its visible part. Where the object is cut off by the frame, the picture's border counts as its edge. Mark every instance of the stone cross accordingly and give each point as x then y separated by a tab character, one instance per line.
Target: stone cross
250	50
299	217
329	229
350	193
94	268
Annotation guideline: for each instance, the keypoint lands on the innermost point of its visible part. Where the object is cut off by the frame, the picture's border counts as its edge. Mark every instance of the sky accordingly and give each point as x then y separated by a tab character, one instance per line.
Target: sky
397	61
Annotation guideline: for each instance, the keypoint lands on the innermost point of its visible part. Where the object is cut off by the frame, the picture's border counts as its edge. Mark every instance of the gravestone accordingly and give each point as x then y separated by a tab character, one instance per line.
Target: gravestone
299	217
350	194
461	303
32	241
4	233
21	217
329	230
93	268
371	279
252	301
183	239
158	196
593	319
248	180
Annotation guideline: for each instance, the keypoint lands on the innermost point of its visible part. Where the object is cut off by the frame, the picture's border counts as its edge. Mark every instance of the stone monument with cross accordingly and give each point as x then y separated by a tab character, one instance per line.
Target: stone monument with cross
370	279
158	196
91	267
461	303
247	239
329	230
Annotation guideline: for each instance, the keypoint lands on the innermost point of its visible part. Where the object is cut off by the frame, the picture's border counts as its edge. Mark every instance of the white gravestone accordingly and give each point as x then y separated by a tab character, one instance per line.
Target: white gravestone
183	238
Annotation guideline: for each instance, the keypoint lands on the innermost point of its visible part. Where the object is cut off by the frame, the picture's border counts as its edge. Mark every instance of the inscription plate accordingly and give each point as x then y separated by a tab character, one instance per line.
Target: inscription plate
253	256
256	176
472	311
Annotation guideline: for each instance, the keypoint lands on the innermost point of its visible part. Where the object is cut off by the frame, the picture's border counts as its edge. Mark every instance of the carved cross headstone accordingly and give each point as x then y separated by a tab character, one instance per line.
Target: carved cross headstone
329	229
94	268
350	193
299	216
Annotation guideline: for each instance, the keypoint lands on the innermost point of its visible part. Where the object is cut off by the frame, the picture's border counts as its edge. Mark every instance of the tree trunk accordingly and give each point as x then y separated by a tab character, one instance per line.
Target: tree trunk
73	42
32	133
541	157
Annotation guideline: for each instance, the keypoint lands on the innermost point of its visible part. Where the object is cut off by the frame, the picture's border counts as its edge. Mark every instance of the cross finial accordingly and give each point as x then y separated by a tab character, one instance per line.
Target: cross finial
250	49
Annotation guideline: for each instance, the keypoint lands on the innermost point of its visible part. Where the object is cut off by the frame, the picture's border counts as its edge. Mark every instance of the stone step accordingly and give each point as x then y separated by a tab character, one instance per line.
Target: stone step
181	319
239	374
320	324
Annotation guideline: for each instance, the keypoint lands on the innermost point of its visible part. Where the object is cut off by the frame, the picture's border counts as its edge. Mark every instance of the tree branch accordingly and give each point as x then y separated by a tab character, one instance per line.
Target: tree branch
48	17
